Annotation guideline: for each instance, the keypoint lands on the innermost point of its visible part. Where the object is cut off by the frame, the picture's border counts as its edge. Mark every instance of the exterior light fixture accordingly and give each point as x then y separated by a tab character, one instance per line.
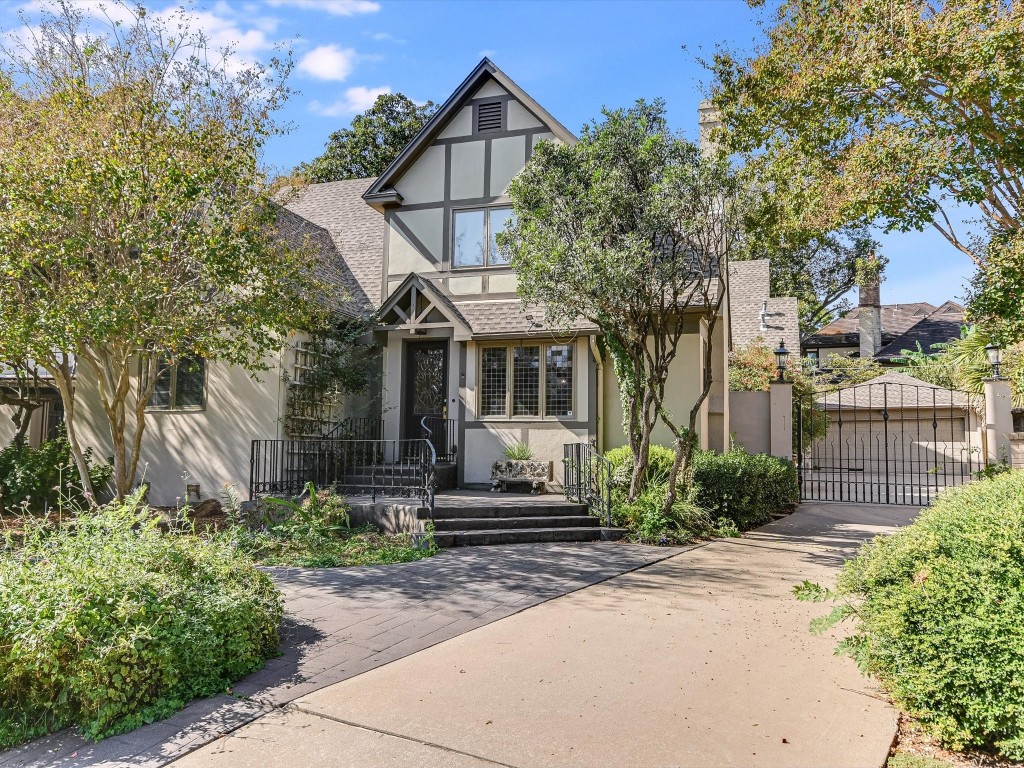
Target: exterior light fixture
995	357
781	355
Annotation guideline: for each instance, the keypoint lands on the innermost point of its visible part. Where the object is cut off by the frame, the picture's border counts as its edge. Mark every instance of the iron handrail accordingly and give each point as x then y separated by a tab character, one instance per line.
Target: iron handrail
388	468
356	428
441	433
588	479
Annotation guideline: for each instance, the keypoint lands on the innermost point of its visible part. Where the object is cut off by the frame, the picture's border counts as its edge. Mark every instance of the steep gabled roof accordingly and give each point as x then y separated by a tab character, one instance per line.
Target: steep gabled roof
940	327
897	319
382	190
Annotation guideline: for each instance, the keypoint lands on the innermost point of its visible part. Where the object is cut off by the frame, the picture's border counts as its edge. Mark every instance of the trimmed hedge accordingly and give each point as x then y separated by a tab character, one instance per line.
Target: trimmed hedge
939	607
742	487
107	623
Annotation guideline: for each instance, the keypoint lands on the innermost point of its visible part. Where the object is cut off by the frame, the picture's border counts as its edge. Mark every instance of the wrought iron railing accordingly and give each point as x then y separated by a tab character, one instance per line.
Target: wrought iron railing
588	479
443	434
357	428
397	468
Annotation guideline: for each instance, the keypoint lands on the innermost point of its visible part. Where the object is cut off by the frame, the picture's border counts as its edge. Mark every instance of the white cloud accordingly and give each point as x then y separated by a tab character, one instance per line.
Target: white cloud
354	100
333	7
328	62
384	37
487	53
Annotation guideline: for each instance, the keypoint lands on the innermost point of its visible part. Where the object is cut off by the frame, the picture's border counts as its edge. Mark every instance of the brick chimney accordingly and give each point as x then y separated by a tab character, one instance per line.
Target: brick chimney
870	316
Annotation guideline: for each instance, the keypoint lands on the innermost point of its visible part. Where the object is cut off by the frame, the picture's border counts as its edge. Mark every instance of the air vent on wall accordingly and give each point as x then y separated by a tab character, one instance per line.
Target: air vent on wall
488	117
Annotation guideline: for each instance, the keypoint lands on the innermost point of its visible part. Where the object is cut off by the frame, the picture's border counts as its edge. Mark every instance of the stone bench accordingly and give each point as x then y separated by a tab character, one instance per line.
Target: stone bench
522	474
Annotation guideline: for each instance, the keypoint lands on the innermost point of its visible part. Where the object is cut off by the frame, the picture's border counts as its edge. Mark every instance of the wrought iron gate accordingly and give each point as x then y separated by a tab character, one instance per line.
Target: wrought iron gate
892	440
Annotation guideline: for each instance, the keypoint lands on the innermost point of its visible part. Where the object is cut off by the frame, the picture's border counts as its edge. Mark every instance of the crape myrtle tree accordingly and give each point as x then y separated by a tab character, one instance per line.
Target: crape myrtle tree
630	228
366	148
895	113
135	224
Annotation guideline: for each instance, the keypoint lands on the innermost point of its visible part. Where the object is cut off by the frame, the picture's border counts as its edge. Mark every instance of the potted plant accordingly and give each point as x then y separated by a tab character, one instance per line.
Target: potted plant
519	469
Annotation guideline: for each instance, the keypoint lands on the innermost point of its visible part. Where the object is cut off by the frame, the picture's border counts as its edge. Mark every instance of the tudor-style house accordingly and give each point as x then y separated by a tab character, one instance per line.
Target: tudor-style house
416	248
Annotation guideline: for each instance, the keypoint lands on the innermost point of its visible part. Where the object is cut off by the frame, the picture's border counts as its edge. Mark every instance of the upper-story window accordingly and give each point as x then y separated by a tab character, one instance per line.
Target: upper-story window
475	232
180	385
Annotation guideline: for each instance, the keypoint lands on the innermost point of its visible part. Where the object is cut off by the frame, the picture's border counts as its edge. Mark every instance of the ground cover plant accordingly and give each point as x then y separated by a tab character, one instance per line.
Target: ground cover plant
938	612
727	493
107	623
316	532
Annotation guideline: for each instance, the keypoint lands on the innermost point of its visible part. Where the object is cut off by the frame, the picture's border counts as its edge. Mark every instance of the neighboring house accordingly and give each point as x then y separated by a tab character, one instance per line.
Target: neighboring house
45	419
416	248
885	331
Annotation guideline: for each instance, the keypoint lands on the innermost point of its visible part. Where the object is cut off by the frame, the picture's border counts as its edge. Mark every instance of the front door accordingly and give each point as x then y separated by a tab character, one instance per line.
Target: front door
426	385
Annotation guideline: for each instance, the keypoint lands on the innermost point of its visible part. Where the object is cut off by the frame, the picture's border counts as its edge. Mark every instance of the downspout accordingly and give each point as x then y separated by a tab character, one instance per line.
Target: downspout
599	406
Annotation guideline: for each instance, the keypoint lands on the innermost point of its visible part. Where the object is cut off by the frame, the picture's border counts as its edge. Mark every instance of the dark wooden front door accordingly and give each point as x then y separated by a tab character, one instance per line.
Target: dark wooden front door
426	385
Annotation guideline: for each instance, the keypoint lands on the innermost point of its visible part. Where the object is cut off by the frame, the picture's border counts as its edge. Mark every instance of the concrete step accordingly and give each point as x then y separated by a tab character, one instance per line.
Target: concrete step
515	536
525	510
505	523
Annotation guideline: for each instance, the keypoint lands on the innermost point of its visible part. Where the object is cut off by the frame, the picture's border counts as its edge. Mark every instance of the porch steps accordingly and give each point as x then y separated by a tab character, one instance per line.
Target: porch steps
479	524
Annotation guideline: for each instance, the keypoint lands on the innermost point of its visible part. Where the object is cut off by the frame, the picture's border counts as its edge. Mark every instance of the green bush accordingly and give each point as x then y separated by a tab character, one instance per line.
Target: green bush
44	477
107	623
648	524
939	611
659	464
743	487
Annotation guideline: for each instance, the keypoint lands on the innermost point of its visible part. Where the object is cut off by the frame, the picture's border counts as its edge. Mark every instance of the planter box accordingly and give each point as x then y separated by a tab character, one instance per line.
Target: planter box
515	472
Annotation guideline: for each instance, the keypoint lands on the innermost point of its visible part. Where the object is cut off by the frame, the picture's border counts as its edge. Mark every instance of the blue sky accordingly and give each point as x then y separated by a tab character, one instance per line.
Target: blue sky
573	56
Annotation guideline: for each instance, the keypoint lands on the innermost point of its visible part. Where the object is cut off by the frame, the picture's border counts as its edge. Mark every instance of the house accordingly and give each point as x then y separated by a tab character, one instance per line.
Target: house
458	353
885	331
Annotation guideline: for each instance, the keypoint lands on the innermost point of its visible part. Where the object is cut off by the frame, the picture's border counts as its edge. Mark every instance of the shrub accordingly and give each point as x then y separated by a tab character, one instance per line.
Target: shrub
647	523
743	487
107	623
44	477
939	611
659	464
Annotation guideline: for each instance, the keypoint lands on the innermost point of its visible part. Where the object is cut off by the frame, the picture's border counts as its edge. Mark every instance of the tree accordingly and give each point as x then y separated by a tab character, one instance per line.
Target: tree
135	221
373	141
630	228
819	269
888	112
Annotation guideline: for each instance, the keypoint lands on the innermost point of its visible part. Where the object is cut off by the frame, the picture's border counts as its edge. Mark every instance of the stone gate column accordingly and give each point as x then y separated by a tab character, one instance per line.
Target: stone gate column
998	420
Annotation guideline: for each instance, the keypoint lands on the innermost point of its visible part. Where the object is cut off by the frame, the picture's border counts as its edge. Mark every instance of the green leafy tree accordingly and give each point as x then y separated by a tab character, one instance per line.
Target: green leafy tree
898	113
135	219
630	228
373	141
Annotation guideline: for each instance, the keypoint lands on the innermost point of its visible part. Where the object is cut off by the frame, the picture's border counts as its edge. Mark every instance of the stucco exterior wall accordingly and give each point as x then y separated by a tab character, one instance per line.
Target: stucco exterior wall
750	420
683	389
212	445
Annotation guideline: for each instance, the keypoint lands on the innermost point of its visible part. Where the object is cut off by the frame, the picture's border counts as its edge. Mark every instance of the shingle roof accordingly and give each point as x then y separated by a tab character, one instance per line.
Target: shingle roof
749	289
507	317
897	319
356	232
941	326
894	391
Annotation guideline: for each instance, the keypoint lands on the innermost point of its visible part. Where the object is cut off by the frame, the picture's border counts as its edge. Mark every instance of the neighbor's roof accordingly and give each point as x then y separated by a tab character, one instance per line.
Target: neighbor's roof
940	327
382	190
354	246
894	391
897	319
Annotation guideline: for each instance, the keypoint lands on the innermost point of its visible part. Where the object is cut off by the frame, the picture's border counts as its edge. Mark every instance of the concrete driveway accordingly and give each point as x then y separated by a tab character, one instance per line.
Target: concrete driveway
703	659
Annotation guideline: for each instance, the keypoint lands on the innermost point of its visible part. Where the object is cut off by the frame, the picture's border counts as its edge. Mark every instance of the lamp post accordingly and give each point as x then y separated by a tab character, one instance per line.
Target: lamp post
995	358
781	355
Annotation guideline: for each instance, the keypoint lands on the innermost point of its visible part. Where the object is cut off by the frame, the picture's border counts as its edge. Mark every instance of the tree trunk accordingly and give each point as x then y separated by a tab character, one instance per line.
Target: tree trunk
63	378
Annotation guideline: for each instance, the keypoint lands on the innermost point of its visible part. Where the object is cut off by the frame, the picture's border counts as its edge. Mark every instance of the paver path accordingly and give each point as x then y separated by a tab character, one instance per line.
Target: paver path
704	659
343	622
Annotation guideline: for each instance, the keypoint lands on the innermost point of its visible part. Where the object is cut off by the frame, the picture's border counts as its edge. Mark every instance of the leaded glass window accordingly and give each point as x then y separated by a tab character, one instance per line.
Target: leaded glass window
525	381
518	380
494	381
558	380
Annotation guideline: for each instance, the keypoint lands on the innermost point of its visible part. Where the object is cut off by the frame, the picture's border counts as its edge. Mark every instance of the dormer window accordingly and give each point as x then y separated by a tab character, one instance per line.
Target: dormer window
488	117
475	233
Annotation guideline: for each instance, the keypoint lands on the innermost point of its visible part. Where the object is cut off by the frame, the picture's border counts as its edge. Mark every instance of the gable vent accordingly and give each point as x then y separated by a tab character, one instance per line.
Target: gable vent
488	117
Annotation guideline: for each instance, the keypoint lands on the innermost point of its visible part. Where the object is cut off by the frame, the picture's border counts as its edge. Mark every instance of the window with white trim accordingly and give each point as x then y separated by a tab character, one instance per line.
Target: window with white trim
180	385
475	236
527	380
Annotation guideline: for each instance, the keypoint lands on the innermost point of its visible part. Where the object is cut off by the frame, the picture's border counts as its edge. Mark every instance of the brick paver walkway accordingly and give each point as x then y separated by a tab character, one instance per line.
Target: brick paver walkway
342	622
